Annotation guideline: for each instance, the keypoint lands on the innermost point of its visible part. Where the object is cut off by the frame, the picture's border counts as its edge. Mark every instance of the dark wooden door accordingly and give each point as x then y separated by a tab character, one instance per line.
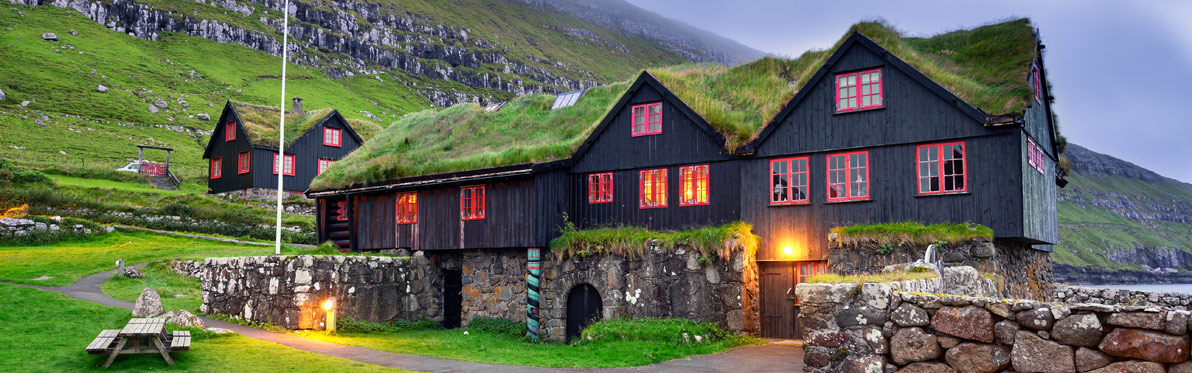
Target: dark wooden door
779	312
453	298
583	308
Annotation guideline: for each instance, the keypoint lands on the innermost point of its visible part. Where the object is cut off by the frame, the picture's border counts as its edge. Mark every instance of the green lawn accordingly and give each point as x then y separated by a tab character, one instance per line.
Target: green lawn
69	261
43	331
177	291
498	348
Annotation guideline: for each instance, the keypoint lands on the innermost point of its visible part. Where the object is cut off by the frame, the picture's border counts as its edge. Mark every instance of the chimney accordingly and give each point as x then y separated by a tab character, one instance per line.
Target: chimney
297	108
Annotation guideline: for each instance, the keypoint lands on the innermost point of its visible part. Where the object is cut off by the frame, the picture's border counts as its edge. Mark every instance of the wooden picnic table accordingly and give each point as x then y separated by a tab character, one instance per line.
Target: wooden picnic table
140	336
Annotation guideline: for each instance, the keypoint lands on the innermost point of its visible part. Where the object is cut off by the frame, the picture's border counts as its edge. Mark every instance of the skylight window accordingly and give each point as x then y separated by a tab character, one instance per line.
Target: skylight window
566	99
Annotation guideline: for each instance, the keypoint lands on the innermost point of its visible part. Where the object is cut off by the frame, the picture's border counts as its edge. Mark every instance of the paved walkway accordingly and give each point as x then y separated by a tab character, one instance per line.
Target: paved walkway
764	358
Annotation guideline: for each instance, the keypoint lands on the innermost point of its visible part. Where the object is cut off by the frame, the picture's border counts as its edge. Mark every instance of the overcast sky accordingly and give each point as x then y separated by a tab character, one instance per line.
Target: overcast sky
1121	70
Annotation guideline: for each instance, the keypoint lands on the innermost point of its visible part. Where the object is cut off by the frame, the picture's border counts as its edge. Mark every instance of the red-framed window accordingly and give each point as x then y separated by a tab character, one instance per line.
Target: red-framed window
216	168
341	211
848	176
407	208
288	165
805	270
652	187
942	168
230	131
331	137
243	163
788	181
323	164
600	188
471	203
1037	81
1035	156
647	119
859	90
693	185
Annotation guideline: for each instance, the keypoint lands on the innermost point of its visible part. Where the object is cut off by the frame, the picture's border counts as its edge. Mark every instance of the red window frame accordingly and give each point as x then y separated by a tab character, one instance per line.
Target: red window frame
471	203
230	131
938	169
655	180
806	269
323	165
332	137
289	158
407	208
600	188
1037	78
243	163
216	168
341	211
693	185
1035	156
856	90
797	180
851	174
646	119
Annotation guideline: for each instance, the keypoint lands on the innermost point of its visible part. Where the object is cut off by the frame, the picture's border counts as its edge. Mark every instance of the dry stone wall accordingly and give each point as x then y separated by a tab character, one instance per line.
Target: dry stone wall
494	282
883	328
288	291
1077	294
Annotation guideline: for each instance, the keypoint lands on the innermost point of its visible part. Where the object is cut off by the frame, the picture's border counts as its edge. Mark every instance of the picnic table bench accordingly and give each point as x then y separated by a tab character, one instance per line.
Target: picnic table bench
140	336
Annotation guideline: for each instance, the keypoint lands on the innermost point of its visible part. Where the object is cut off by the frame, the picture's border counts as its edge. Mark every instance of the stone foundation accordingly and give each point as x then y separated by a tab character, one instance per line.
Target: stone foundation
288	291
259	194
887	328
1020	271
494	282
662	283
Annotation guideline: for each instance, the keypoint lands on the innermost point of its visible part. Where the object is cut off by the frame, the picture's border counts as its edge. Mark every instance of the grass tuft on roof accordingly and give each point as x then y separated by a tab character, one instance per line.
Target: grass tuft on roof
261	123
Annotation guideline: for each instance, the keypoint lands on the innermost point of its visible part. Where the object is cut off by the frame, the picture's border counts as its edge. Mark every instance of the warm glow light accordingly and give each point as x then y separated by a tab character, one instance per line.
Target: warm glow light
329	304
788	250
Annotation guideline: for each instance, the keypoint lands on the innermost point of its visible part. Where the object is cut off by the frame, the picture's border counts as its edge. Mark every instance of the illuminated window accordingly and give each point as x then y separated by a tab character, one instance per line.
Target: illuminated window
288	166
324	164
848	176
243	163
407	208
653	188
942	168
600	187
230	131
693	182
216	168
788	181
471	203
331	137
859	90
647	119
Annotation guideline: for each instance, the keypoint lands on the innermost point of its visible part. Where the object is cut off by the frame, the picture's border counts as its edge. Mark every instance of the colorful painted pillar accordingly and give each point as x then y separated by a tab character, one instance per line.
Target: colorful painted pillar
533	278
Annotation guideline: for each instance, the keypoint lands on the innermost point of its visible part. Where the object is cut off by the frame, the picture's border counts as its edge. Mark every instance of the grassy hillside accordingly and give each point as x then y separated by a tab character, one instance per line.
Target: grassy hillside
1114	215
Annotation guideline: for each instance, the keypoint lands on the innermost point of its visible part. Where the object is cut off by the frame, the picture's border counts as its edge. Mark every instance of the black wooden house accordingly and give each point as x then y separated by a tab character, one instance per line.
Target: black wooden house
865	137
242	151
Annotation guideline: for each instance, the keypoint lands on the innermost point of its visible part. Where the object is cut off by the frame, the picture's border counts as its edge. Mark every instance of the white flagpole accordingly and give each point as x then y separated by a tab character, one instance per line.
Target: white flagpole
280	161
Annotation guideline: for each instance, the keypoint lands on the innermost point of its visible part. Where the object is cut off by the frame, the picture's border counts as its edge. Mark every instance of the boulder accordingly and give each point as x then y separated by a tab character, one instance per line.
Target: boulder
101	88
1140	320
148	304
865	364
913	344
131	272
975	357
153	109
860	316
1133	366
1185	367
1034	354
1000	309
1078	330
1038	318
1177	322
1087	359
1005	331
39	123
186	319
73	32
24	103
927	368
910	315
161	103
947	342
1145	345
203	116
969	322
966	280
49	36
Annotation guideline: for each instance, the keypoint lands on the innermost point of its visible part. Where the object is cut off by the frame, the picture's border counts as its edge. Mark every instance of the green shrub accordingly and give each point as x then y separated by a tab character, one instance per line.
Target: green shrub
347	325
661	330
713	243
10	174
493	325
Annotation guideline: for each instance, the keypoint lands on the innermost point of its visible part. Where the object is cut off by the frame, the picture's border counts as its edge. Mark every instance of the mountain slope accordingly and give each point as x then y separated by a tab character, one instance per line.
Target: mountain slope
1122	223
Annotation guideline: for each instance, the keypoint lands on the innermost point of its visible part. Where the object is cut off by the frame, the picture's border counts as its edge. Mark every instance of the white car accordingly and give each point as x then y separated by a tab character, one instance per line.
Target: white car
131	167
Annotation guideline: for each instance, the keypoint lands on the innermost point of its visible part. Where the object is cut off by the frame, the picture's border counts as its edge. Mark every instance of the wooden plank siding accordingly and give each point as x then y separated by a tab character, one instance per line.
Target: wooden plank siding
229	151
1038	217
724	189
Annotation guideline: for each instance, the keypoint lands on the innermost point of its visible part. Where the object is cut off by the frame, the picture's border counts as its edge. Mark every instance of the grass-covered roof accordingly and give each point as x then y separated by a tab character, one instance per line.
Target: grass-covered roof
261	123
986	66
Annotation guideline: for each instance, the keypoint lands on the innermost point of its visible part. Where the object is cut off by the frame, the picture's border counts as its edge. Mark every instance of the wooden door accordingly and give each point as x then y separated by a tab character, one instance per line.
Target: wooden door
778	294
453	298
584	307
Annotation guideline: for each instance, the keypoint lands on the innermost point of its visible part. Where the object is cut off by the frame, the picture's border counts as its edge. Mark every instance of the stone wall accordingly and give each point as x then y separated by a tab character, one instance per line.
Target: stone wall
1020	271
1076	294
16	228
662	283
882	328
494	282
288	291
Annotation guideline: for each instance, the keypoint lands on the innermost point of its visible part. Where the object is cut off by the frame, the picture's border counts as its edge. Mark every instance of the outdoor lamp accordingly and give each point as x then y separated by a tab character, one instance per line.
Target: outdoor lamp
329	306
788	250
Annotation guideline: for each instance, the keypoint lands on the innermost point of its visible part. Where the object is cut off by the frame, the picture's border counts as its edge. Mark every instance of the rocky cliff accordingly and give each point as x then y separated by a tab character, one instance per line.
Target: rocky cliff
466	51
1121	223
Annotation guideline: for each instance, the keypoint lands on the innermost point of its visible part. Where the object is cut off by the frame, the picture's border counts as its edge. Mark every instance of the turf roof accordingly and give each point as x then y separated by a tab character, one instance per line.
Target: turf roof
261	123
986	66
